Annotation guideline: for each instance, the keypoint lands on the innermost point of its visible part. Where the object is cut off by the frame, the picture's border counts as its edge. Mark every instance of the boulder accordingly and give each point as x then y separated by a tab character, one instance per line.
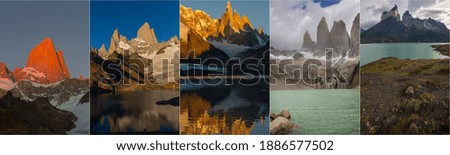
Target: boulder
413	129
286	114
281	126
409	90
273	116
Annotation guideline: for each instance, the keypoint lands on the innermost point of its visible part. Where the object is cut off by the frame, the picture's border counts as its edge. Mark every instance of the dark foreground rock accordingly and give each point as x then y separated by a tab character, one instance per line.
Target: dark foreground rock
84	99
405	97
281	124
37	117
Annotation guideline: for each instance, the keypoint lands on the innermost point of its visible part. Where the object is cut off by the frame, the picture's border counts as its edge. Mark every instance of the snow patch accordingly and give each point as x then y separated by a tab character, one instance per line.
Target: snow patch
124	46
30	71
232	50
261	42
6	84
81	111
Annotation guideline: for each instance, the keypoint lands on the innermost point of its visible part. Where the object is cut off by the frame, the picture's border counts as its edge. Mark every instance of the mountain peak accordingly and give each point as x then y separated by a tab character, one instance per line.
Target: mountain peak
393	13
115	35
47	40
146	25
323	34
307	41
407	13
44	64
394	8
406	18
147	34
260	30
229	9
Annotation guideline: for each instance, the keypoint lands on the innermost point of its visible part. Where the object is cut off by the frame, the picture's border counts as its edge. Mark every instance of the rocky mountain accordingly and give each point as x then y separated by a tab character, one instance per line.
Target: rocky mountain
6	77
343	43
231	34
44	65
393	13
36	117
145	44
128	64
42	98
354	35
57	93
307	42
408	29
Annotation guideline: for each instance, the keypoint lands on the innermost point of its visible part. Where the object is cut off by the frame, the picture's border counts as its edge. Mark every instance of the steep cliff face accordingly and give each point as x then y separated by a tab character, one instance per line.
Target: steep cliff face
393	13
307	42
354	35
147	34
339	38
145	44
6	78
231	34
44	65
323	35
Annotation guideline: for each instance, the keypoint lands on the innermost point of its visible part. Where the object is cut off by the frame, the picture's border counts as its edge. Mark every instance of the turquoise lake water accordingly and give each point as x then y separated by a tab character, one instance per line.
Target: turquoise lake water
320	112
373	52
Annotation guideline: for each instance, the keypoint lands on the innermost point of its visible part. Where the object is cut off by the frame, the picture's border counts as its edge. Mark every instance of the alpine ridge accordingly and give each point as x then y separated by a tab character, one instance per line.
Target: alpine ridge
231	34
44	65
408	29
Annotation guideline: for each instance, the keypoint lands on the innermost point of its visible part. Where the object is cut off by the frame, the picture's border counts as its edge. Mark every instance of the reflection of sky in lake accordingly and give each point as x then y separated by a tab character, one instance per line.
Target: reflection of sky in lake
213	107
134	112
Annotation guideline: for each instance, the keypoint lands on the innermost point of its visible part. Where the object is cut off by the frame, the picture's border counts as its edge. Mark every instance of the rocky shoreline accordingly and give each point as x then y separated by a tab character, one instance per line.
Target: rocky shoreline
443	49
405	97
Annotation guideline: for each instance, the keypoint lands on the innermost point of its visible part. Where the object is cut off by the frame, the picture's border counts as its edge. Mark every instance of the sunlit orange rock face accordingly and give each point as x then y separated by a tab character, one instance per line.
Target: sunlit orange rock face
196	26
3	72
44	65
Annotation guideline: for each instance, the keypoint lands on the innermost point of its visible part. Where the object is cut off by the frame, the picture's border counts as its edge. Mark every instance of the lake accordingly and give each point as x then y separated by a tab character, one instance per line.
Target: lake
135	113
319	111
373	52
224	107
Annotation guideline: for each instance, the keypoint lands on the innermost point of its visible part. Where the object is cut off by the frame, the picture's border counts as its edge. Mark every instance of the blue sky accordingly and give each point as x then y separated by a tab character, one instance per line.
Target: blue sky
256	10
129	16
24	24
326	3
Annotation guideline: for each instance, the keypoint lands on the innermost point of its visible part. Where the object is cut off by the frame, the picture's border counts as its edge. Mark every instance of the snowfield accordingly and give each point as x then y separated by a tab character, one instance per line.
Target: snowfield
232	50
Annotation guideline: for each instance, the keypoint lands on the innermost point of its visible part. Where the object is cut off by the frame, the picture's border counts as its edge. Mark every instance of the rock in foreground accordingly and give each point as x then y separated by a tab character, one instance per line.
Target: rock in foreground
281	124
36	117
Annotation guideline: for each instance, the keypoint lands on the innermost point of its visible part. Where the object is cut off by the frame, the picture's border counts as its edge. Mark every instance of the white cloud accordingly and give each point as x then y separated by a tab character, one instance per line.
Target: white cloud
289	22
439	11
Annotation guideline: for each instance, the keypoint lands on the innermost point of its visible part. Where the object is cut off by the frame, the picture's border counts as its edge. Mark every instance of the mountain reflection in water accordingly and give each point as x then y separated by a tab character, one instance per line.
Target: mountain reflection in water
146	112
222	108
